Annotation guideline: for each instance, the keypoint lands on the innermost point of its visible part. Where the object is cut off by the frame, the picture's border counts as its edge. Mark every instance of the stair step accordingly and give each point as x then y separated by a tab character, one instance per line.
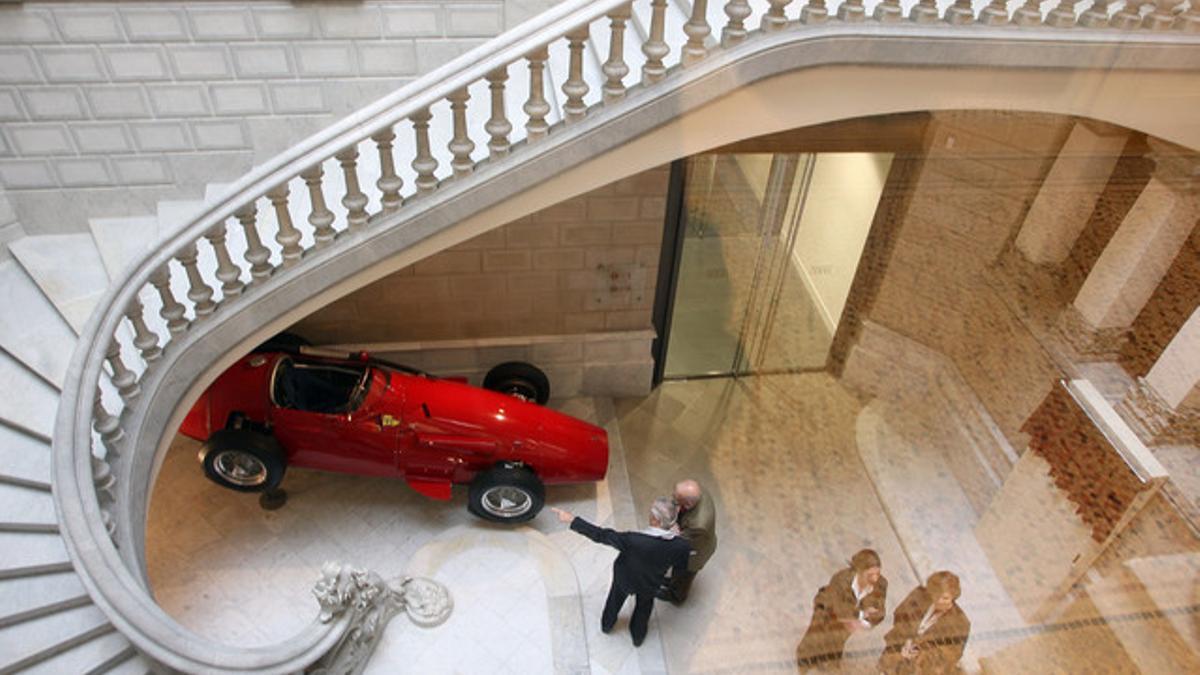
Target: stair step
37	335
34	409
68	269
25	550
23	506
133	664
94	655
24	457
22	597
173	215
31	642
120	241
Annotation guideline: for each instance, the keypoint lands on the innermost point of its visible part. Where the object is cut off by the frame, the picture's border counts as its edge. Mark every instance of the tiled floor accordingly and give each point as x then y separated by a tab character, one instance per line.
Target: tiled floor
804	471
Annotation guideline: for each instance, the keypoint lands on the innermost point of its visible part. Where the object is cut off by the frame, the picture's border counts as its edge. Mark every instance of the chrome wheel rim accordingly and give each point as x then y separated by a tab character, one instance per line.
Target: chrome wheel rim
519	389
506	501
240	468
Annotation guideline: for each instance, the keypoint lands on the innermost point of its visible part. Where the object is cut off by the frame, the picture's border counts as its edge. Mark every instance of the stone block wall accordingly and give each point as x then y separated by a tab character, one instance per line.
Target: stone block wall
129	102
569	288
980	175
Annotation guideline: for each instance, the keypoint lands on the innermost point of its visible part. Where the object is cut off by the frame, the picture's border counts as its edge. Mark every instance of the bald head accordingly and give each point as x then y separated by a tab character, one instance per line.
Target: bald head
687	493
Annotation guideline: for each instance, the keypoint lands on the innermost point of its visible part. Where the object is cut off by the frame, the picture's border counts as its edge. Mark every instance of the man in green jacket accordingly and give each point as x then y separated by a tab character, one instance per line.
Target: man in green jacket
698	524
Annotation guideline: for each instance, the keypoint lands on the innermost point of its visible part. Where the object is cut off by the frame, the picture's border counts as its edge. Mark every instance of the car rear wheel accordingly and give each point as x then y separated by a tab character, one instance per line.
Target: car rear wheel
522	380
507	493
243	460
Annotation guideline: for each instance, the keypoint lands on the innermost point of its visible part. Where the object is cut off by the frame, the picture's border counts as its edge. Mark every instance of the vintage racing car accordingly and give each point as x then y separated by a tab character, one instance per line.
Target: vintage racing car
286	405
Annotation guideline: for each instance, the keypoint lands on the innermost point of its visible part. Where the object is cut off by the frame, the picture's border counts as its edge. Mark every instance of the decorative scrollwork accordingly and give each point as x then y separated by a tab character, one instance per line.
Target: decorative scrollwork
371	603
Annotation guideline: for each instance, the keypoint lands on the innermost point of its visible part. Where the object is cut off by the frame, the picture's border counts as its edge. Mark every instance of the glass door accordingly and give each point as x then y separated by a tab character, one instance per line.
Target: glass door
770	244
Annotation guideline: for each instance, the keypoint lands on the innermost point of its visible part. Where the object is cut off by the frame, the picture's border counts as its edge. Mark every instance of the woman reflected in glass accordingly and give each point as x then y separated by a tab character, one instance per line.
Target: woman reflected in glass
929	630
853	600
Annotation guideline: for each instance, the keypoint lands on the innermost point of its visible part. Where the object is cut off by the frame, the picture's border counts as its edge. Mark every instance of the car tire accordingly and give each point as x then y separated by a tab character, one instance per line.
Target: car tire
243	460
283	342
506	493
522	380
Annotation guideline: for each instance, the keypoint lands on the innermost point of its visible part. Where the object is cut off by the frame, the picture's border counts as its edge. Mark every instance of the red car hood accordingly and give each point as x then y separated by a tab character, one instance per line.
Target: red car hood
562	447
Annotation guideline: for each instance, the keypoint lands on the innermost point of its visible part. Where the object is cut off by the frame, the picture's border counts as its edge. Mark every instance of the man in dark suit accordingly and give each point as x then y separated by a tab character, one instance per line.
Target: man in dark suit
641	567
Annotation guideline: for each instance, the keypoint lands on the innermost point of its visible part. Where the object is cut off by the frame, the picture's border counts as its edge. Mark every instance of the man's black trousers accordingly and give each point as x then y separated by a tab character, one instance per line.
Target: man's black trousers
639	624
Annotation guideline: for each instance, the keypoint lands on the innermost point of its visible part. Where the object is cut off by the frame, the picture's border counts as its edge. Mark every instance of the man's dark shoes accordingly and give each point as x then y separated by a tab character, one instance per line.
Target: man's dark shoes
664	593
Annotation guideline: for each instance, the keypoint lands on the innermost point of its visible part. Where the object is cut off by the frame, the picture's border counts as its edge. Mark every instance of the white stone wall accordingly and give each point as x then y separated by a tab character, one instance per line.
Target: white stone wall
127	103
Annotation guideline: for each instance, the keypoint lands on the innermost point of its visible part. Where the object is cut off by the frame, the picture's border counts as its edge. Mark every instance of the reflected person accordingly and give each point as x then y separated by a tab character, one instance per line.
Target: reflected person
853	600
929	630
641	566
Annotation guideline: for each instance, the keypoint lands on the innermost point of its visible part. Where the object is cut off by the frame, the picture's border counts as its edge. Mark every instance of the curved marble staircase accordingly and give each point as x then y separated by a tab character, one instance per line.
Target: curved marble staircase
48	622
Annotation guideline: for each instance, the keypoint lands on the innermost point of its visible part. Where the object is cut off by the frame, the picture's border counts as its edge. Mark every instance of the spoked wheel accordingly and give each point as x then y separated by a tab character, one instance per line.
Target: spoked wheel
239	468
507	493
521	380
243	460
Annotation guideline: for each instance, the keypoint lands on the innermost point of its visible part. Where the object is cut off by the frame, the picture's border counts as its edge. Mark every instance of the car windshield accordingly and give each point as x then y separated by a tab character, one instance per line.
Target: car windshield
319	387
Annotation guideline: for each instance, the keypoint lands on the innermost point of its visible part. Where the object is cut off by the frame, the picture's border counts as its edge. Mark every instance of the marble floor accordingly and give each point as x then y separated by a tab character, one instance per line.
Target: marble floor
804	470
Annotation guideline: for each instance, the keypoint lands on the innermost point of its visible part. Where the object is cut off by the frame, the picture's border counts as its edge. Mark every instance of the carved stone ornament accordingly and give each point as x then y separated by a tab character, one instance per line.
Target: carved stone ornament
1153	419
1088	342
371	603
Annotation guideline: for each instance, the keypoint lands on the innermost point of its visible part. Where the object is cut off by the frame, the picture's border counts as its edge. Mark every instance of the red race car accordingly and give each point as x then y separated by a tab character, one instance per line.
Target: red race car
287	406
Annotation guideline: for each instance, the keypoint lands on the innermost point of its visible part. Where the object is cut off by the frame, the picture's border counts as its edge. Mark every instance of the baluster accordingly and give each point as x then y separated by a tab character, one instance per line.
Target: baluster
228	273
389	183
775	18
105	485
655	47
199	292
172	310
460	146
498	127
814	12
424	163
995	14
1028	14
107	425
143	338
615	68
257	255
697	29
888	11
575	87
1095	16
288	237
354	201
1189	20
960	13
536	107
109	429
1129	16
852	11
321	218
735	29
925	11
1162	15
123	378
1062	15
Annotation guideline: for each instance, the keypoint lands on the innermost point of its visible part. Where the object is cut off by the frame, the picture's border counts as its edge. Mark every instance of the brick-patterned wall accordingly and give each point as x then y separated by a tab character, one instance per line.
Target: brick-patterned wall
586	265
979	177
136	101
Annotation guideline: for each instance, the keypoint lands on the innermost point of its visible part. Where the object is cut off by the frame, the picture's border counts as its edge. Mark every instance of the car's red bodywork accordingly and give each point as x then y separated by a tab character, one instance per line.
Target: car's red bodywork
430	431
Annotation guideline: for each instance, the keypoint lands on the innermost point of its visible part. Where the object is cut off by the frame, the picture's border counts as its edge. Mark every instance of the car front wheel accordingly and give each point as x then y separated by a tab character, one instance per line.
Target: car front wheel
507	493
243	460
